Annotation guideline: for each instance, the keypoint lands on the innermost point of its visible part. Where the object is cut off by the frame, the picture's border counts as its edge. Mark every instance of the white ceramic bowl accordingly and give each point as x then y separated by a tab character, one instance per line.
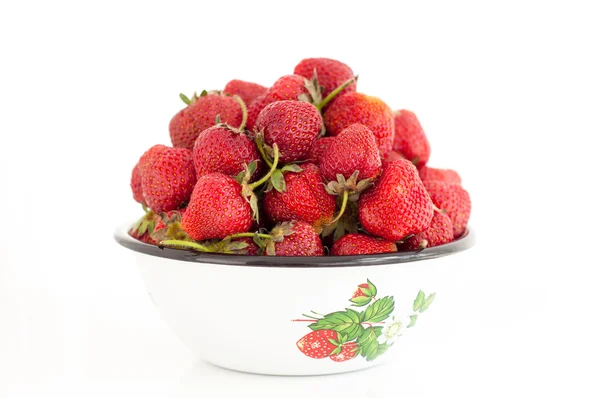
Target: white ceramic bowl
250	313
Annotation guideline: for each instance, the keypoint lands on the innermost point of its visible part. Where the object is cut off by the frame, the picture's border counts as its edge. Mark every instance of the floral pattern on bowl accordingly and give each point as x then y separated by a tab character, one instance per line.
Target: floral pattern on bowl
348	334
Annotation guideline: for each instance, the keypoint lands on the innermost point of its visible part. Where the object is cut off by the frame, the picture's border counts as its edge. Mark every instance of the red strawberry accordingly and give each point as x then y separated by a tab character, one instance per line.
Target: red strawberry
352	244
148	158
168	181
359	292
201	114
316	344
350	163
254	110
216	209
330	73
440	231
349	351
454	200
289	87
445	175
304	198
295	238
221	206
293	125
353	149
391	156
136	185
318	148
355	107
397	205
225	150
410	139
247	91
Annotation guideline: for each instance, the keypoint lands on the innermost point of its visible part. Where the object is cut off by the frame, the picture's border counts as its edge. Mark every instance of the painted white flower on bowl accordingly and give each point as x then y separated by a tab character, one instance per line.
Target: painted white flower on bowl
391	330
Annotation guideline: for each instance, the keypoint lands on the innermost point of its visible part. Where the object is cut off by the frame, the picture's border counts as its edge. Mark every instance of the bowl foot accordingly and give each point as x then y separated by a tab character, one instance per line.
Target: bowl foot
298	373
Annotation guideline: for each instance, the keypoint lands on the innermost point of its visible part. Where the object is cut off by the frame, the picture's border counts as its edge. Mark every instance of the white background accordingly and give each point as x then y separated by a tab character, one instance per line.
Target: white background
508	93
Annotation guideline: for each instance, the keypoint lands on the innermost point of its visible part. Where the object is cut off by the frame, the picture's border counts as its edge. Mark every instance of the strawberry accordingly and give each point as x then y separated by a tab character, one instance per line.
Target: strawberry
397	205
293	125
391	156
352	244
225	150
247	91
254	110
221	206
359	292
136	185
353	149
318	148
350	164
445	175
168	181
148	158
352	108
330	73
440	231
292	88
201	114
453	199
317	343
216	209
409	138
303	198
348	351
289	87
295	238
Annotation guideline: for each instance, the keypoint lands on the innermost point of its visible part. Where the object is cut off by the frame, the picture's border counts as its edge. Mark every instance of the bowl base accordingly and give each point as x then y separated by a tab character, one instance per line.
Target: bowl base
292	374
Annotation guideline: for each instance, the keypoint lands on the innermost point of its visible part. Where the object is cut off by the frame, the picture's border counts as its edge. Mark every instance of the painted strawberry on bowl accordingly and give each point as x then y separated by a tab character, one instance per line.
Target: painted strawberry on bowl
302	195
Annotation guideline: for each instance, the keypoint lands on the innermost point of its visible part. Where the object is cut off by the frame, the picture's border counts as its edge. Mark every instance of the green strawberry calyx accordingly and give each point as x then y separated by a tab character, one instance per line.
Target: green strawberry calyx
189	101
172	230
348	189
278	234
277	179
146	223
248	188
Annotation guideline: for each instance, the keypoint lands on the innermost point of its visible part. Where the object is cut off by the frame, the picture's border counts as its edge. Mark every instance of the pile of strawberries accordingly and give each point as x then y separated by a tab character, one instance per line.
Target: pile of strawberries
307	167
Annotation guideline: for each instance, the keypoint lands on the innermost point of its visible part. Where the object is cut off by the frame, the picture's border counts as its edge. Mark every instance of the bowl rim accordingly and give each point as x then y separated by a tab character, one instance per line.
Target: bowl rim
121	235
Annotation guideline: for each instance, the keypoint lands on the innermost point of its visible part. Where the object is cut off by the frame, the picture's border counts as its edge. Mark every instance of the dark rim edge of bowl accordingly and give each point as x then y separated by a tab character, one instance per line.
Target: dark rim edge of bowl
463	243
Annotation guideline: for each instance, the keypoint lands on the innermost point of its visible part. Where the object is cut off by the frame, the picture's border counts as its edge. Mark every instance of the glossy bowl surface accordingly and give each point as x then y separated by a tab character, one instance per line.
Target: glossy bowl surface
286	315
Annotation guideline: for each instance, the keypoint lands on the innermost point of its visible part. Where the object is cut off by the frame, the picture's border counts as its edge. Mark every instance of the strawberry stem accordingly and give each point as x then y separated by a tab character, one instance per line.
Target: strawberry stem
273	167
249	235
342	207
261	148
244	111
335	92
182	244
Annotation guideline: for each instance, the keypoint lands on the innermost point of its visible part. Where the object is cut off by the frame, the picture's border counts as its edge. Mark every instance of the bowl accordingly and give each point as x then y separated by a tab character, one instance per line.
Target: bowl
296	315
